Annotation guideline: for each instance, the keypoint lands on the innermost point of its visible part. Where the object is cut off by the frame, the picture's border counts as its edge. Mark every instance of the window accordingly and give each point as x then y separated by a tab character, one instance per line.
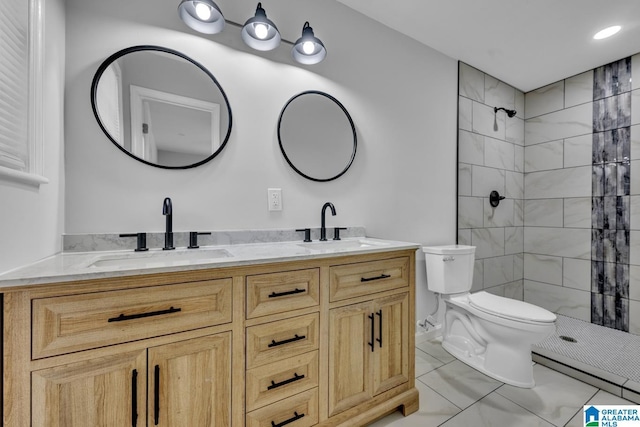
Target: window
21	90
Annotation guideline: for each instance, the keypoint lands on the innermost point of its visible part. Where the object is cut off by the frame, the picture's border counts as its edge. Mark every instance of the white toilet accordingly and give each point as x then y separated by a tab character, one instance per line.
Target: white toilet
490	333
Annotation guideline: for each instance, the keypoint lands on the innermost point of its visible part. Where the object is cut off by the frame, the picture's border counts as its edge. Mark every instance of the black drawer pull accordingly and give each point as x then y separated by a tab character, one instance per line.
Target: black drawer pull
373	339
134	398
368	279
275	343
141	315
156	394
296	377
282	294
295	417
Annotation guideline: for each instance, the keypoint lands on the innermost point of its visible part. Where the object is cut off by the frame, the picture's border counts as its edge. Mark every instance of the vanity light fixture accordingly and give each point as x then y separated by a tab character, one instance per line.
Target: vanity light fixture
259	32
607	32
203	16
308	49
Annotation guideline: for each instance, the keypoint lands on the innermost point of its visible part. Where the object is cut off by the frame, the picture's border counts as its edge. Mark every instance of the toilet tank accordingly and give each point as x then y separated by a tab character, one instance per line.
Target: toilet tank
449	268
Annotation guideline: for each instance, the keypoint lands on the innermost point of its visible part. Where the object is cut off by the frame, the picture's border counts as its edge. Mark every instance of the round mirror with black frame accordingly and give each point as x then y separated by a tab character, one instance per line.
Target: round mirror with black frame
317	136
161	107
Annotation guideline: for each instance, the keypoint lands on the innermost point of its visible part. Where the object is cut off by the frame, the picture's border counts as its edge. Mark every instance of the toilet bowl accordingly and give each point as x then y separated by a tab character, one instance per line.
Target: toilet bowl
490	333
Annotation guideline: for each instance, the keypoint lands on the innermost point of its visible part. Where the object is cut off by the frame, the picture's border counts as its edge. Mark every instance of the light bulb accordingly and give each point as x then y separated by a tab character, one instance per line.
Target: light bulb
261	31
607	32
203	11
308	47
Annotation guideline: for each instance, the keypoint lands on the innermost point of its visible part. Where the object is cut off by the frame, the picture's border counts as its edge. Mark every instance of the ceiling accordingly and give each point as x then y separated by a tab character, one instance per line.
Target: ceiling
525	43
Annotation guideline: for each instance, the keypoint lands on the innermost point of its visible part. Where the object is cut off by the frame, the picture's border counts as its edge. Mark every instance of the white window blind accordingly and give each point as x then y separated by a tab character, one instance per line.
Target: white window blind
14	84
21	56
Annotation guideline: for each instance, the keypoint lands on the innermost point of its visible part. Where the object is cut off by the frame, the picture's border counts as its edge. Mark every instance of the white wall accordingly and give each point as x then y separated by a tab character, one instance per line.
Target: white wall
31	218
400	94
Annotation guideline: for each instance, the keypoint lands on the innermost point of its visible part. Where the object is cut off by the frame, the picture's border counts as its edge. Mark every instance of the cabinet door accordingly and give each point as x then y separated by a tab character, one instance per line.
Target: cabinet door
349	356
104	392
190	383
391	357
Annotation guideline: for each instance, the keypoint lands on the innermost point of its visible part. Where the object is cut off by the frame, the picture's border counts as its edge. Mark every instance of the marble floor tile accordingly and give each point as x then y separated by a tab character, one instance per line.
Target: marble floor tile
434	410
459	383
434	348
601	398
425	363
555	397
496	411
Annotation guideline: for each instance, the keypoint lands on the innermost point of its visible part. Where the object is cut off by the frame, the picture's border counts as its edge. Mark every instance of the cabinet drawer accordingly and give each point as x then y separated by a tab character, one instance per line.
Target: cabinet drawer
279	340
276	381
79	322
364	278
279	292
300	410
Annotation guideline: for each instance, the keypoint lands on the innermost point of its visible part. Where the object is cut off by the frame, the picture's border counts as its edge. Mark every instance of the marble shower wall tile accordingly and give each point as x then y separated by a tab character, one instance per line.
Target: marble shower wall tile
498	271
464	179
489	242
484	119
543	213
561	124
544	100
576	274
563	242
500	216
518	266
545	156
465	113
542	268
515	130
578	89
635	107
471	83
485	180
519	157
470	212
513	241
514	185
498	154
577	151
498	93
570	182
577	212
558	299
520	104
470	148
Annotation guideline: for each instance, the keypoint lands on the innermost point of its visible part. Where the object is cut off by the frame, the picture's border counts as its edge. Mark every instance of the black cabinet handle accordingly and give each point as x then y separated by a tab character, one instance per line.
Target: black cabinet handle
295	417
282	294
379	313
368	279
141	315
275	343
295	378
372	342
156	395
134	398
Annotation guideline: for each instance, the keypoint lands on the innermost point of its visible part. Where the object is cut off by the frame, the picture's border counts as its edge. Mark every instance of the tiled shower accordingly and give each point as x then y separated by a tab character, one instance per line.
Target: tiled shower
567	235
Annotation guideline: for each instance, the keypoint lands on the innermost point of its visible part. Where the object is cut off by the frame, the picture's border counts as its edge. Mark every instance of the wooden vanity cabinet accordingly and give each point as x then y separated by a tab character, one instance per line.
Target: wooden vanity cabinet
325	341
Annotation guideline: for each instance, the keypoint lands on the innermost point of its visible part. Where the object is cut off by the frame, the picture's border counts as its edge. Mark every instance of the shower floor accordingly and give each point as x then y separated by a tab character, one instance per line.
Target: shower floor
604	357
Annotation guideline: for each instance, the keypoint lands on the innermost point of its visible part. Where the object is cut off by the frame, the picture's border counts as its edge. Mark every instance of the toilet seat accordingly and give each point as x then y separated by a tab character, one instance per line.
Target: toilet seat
511	309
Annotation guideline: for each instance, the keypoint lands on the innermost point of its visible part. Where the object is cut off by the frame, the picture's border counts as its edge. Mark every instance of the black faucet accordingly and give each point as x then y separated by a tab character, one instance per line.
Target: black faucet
167	210
323	228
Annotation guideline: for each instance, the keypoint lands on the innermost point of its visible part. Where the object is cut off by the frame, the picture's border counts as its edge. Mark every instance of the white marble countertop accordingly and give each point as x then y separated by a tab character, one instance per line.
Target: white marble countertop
74	266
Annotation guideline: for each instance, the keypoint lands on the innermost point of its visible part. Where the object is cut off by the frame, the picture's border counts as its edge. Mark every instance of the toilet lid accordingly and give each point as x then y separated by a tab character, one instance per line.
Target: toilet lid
510	308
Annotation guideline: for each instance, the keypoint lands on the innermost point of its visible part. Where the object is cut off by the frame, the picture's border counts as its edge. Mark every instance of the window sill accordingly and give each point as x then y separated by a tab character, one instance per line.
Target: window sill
7	174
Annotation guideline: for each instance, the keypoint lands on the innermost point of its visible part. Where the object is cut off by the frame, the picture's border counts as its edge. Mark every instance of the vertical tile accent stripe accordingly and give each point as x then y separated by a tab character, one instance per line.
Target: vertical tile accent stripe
610	207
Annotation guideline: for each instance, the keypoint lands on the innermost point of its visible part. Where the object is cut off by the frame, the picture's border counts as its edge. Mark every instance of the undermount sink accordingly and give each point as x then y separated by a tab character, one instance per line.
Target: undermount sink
341	245
159	258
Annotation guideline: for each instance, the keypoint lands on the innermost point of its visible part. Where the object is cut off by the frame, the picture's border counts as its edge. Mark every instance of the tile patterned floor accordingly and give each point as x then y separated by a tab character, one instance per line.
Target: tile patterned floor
454	395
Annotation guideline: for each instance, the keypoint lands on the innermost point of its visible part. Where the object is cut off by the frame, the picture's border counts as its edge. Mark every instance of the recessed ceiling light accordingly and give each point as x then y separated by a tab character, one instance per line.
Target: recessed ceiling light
607	32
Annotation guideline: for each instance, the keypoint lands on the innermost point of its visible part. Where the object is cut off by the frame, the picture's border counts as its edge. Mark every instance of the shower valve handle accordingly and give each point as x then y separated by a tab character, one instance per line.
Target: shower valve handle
494	198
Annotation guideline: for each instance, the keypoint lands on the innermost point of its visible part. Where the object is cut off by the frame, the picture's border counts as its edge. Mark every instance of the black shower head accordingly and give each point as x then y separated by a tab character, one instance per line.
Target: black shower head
510	113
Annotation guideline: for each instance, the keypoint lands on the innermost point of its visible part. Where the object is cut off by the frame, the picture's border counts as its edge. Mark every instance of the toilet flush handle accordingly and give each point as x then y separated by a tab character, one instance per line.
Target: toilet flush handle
448	259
